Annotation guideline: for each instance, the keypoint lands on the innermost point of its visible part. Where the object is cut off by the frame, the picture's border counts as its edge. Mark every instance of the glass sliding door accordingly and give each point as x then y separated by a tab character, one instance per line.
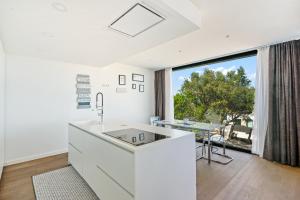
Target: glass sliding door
218	92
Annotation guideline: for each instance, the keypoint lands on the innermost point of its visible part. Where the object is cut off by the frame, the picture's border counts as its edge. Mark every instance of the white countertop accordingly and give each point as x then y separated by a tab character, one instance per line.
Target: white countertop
97	129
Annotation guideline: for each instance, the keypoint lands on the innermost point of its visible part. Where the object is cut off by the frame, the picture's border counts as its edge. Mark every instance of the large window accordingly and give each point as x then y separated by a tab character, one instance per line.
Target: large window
220	91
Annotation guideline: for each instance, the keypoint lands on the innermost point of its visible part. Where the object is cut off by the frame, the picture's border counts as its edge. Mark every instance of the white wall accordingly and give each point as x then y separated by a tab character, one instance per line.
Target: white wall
2	110
41	100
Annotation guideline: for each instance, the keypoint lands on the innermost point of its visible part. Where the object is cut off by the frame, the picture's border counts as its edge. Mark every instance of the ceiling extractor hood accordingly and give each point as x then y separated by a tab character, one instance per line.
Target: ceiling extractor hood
136	20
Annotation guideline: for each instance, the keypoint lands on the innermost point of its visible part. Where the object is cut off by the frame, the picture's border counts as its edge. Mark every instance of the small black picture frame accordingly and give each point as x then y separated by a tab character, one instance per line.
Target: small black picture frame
141	88
134	86
122	80
138	77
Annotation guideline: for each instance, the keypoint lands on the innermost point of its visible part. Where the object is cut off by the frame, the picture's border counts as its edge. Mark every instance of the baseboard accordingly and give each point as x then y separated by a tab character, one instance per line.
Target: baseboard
34	157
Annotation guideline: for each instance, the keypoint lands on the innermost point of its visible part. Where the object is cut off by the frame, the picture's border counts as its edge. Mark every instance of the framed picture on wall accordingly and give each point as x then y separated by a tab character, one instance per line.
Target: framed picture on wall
133	86
138	77
141	88
122	80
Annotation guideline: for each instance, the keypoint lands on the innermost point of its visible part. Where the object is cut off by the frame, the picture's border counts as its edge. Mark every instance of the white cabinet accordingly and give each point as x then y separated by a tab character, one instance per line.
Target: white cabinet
76	148
76	138
76	158
115	170
107	168
115	161
104	185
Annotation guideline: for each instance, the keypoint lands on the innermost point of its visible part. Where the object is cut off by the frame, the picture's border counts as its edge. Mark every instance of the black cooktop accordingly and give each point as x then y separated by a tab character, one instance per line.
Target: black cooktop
135	136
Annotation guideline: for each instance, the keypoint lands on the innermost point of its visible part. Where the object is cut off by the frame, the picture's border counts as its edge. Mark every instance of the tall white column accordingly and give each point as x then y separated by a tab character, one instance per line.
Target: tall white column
169	109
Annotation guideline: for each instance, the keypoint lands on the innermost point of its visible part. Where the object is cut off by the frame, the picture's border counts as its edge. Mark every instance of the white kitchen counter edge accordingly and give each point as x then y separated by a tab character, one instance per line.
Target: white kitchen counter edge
172	133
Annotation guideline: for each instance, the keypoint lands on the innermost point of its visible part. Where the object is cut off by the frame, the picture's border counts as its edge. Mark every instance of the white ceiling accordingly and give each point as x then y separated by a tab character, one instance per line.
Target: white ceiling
249	23
77	31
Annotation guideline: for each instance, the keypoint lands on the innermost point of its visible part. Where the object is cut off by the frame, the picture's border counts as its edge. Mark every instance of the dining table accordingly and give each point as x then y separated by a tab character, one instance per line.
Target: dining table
206	129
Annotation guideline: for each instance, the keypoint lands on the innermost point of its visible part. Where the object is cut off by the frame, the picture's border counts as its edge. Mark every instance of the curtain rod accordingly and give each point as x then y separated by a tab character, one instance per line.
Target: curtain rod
238	52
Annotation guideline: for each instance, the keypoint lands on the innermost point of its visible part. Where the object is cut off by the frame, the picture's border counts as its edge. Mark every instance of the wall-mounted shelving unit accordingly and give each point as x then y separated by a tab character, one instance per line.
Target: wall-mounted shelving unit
83	90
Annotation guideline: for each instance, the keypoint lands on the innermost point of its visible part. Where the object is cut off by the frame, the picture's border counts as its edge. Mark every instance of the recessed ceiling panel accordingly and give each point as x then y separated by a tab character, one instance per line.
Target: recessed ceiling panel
136	20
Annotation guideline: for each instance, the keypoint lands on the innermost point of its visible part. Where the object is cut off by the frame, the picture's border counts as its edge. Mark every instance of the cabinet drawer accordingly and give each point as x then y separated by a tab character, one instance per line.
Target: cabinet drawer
76	159
76	138
118	163
105	186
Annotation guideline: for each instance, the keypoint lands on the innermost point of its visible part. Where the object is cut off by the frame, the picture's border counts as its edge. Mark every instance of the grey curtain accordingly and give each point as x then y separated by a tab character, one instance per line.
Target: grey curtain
159	85
282	142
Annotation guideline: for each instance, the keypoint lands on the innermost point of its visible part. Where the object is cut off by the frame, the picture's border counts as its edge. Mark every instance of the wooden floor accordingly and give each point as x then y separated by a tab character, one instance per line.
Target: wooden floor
247	177
16	182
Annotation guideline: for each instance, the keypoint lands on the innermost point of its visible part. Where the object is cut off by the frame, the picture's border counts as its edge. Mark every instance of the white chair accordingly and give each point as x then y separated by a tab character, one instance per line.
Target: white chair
153	119
219	137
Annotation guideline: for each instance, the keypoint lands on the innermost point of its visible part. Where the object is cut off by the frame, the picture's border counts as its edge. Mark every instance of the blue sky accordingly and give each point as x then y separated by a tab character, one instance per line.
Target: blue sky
249	64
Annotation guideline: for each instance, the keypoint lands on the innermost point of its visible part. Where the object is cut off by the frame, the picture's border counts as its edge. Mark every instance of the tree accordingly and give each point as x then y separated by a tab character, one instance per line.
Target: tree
228	96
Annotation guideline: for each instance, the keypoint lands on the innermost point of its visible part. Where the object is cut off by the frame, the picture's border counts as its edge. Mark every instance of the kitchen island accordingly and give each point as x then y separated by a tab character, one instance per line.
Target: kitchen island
134	161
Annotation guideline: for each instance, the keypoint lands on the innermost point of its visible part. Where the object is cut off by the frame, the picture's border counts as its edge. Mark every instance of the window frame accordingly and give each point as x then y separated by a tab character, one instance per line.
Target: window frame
217	60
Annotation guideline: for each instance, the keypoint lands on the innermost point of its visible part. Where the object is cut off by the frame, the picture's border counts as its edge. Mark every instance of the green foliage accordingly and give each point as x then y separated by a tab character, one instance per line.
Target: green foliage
227	96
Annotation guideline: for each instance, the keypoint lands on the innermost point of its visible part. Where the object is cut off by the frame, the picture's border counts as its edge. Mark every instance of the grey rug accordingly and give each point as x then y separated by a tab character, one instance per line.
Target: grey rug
62	184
